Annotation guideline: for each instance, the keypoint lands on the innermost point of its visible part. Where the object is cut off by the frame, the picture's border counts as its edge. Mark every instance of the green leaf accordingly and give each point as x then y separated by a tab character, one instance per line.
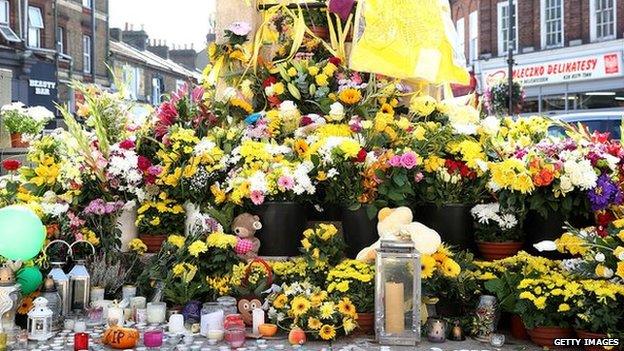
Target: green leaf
294	91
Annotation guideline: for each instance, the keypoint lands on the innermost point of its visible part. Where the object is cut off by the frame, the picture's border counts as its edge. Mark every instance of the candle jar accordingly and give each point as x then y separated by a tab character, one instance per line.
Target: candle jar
153	338
397	293
176	323
81	341
436	330
233	320
211	317
97	293
486	318
128	292
228	304
140	315
235	336
156	312
138	302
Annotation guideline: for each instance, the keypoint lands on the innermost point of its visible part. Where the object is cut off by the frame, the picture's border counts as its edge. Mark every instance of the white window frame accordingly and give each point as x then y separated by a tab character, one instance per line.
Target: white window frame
499	26
473	36
461	35
593	35
544	31
60	42
87	4
4	12
87	62
34	29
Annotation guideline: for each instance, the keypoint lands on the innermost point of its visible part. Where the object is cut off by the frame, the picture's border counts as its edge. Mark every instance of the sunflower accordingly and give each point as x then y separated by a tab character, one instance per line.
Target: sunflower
280	301
346	307
327	332
314	323
350	96
427	266
300	305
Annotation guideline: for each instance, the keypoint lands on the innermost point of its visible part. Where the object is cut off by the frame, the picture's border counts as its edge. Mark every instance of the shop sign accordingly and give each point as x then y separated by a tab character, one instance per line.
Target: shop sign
581	68
42	86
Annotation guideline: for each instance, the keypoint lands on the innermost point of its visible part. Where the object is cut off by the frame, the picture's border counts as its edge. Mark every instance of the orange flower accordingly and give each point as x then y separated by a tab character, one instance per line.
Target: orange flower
27	303
350	96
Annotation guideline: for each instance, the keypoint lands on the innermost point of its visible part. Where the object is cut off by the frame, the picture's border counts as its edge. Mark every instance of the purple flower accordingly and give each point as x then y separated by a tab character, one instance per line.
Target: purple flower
395	161
605	194
409	160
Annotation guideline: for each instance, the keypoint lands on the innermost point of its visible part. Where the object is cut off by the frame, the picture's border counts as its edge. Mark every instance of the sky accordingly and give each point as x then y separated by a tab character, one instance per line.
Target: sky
178	22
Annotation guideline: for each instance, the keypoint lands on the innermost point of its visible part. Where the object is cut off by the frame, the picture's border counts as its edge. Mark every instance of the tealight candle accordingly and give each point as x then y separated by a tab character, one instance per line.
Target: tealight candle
215	334
257	319
68	325
81	341
176	323
153	338
115	316
156	312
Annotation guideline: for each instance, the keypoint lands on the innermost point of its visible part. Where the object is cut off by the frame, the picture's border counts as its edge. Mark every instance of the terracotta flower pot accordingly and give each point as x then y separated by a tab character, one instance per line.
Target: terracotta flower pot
153	242
366	323
17	142
518	330
582	334
545	336
495	251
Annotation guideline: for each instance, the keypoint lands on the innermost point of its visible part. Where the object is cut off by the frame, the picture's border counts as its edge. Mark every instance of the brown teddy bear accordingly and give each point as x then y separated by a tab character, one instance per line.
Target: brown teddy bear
245	226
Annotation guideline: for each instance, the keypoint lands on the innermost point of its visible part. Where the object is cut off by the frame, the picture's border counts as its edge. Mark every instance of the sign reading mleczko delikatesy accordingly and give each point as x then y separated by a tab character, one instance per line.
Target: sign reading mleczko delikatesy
588	67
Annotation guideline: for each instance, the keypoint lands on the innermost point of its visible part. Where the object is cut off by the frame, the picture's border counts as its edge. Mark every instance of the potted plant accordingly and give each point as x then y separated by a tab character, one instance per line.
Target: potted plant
21	121
158	219
249	281
497	232
322	247
355	280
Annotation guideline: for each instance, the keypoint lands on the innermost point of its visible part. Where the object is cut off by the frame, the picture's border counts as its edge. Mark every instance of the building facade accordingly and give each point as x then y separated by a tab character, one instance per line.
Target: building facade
48	43
567	53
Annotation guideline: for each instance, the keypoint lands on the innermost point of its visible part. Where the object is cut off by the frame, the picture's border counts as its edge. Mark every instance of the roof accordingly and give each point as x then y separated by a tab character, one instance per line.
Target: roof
590	116
152	60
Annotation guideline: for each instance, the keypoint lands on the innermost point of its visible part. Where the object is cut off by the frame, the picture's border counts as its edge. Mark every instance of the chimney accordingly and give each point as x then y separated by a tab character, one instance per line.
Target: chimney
135	38
159	48
116	34
184	56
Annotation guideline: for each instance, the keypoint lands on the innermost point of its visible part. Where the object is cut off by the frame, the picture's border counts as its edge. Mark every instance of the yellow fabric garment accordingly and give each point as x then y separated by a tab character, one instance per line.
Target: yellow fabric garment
407	39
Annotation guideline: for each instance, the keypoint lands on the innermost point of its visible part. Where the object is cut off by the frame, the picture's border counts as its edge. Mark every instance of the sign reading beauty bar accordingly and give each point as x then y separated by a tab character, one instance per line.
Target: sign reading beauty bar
588	67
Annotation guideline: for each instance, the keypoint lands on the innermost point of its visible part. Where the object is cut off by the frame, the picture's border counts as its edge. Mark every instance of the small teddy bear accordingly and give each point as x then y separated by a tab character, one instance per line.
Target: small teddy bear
245	226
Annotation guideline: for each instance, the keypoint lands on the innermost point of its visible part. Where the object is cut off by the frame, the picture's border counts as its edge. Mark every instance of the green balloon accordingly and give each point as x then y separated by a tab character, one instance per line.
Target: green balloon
21	233
30	279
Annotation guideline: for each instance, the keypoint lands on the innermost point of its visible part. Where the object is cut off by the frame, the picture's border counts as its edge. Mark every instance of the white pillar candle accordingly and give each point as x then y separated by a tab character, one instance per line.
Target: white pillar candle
257	319
138	302
115	316
211	321
156	312
128	292
97	293
176	323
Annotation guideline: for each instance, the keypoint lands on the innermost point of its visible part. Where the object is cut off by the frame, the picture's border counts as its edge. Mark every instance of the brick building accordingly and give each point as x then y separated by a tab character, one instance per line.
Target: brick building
48	43
568	53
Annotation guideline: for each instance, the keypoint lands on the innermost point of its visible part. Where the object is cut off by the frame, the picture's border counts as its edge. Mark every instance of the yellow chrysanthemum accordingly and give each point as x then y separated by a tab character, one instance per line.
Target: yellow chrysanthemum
350	96
299	306
176	240
197	247
137	246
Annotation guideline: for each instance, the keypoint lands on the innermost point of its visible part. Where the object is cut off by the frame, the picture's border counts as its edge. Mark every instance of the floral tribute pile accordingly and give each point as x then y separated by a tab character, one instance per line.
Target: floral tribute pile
280	120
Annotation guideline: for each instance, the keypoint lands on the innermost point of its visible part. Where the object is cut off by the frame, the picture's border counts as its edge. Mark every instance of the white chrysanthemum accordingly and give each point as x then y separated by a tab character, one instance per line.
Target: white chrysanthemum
484	213
205	145
507	221
258	182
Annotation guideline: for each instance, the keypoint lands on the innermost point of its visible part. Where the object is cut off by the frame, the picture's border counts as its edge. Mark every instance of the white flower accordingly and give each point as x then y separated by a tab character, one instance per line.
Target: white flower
288	108
546	245
229	93
600	257
40	114
336	112
608	273
205	145
491	125
565	184
240	28
484	213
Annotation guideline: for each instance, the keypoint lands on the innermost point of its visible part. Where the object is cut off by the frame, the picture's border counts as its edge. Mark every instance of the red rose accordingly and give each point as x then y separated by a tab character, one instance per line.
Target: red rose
335	60
127	144
11	165
269	81
144	163
361	156
305	121
603	218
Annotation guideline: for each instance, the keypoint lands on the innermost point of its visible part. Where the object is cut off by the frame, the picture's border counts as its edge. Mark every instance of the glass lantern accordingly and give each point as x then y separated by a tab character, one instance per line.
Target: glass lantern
55	304
61	280
79	281
397	293
40	321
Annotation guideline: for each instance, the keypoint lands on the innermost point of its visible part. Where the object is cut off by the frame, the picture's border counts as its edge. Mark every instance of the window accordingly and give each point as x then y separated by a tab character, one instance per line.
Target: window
602	14
60	40
87	4
156	91
461	36
552	23
473	36
5	30
35	25
86	54
503	27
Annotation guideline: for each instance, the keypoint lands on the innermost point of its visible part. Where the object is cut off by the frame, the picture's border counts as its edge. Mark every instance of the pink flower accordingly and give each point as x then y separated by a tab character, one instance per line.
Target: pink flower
127	144
285	182
197	95
409	160
355	124
395	161
154	170
306	121
240	28
418	177
167	113
257	197
144	163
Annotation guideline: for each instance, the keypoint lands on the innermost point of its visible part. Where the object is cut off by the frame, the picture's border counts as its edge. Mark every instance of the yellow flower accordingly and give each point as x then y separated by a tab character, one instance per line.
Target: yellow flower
278	88
540	302
350	147
564	307
423	105
327	332
218	194
527	295
450	268
221	241
299	306
313	70
305	243
346	307
318	297
619	253
178	270
620	270
301	147
137	246
314	323
433	163
348	324
428	266
322	80
197	247
619	223
343	286
292	71
236	102
176	240
327	310
350	96
280	301
155	222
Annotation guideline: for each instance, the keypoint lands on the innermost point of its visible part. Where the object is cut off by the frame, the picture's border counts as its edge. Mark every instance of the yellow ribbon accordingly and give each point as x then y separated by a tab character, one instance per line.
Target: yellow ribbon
424	301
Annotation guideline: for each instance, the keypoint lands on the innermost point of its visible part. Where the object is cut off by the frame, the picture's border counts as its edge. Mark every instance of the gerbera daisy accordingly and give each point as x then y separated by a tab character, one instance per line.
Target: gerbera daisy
300	305
327	332
301	147
280	301
346	307
387	108
318	297
314	323
427	266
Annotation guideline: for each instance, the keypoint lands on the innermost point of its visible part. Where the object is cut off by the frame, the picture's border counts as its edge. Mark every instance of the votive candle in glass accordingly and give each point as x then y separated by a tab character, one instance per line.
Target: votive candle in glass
215	334
138	302
81	341
80	326
156	312
235	337
153	338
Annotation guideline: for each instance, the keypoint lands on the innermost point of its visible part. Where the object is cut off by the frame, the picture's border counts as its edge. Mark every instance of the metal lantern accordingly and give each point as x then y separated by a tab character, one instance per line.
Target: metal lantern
61	280
397	293
10	295
40	321
55	304
79	281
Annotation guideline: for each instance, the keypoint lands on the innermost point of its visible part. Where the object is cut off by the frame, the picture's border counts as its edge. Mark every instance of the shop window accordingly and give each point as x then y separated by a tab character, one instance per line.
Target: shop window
602	14
553	103
552	23
530	106
504	22
35	26
60	40
88	4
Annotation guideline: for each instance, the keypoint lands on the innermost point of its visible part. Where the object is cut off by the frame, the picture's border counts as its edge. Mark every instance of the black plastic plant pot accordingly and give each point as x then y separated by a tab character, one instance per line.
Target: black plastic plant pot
358	229
452	221
283	224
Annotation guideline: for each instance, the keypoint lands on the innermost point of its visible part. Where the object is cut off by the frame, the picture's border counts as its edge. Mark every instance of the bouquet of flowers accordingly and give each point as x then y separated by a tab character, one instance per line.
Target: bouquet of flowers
496	98
305	306
600	309
355	280
19	119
